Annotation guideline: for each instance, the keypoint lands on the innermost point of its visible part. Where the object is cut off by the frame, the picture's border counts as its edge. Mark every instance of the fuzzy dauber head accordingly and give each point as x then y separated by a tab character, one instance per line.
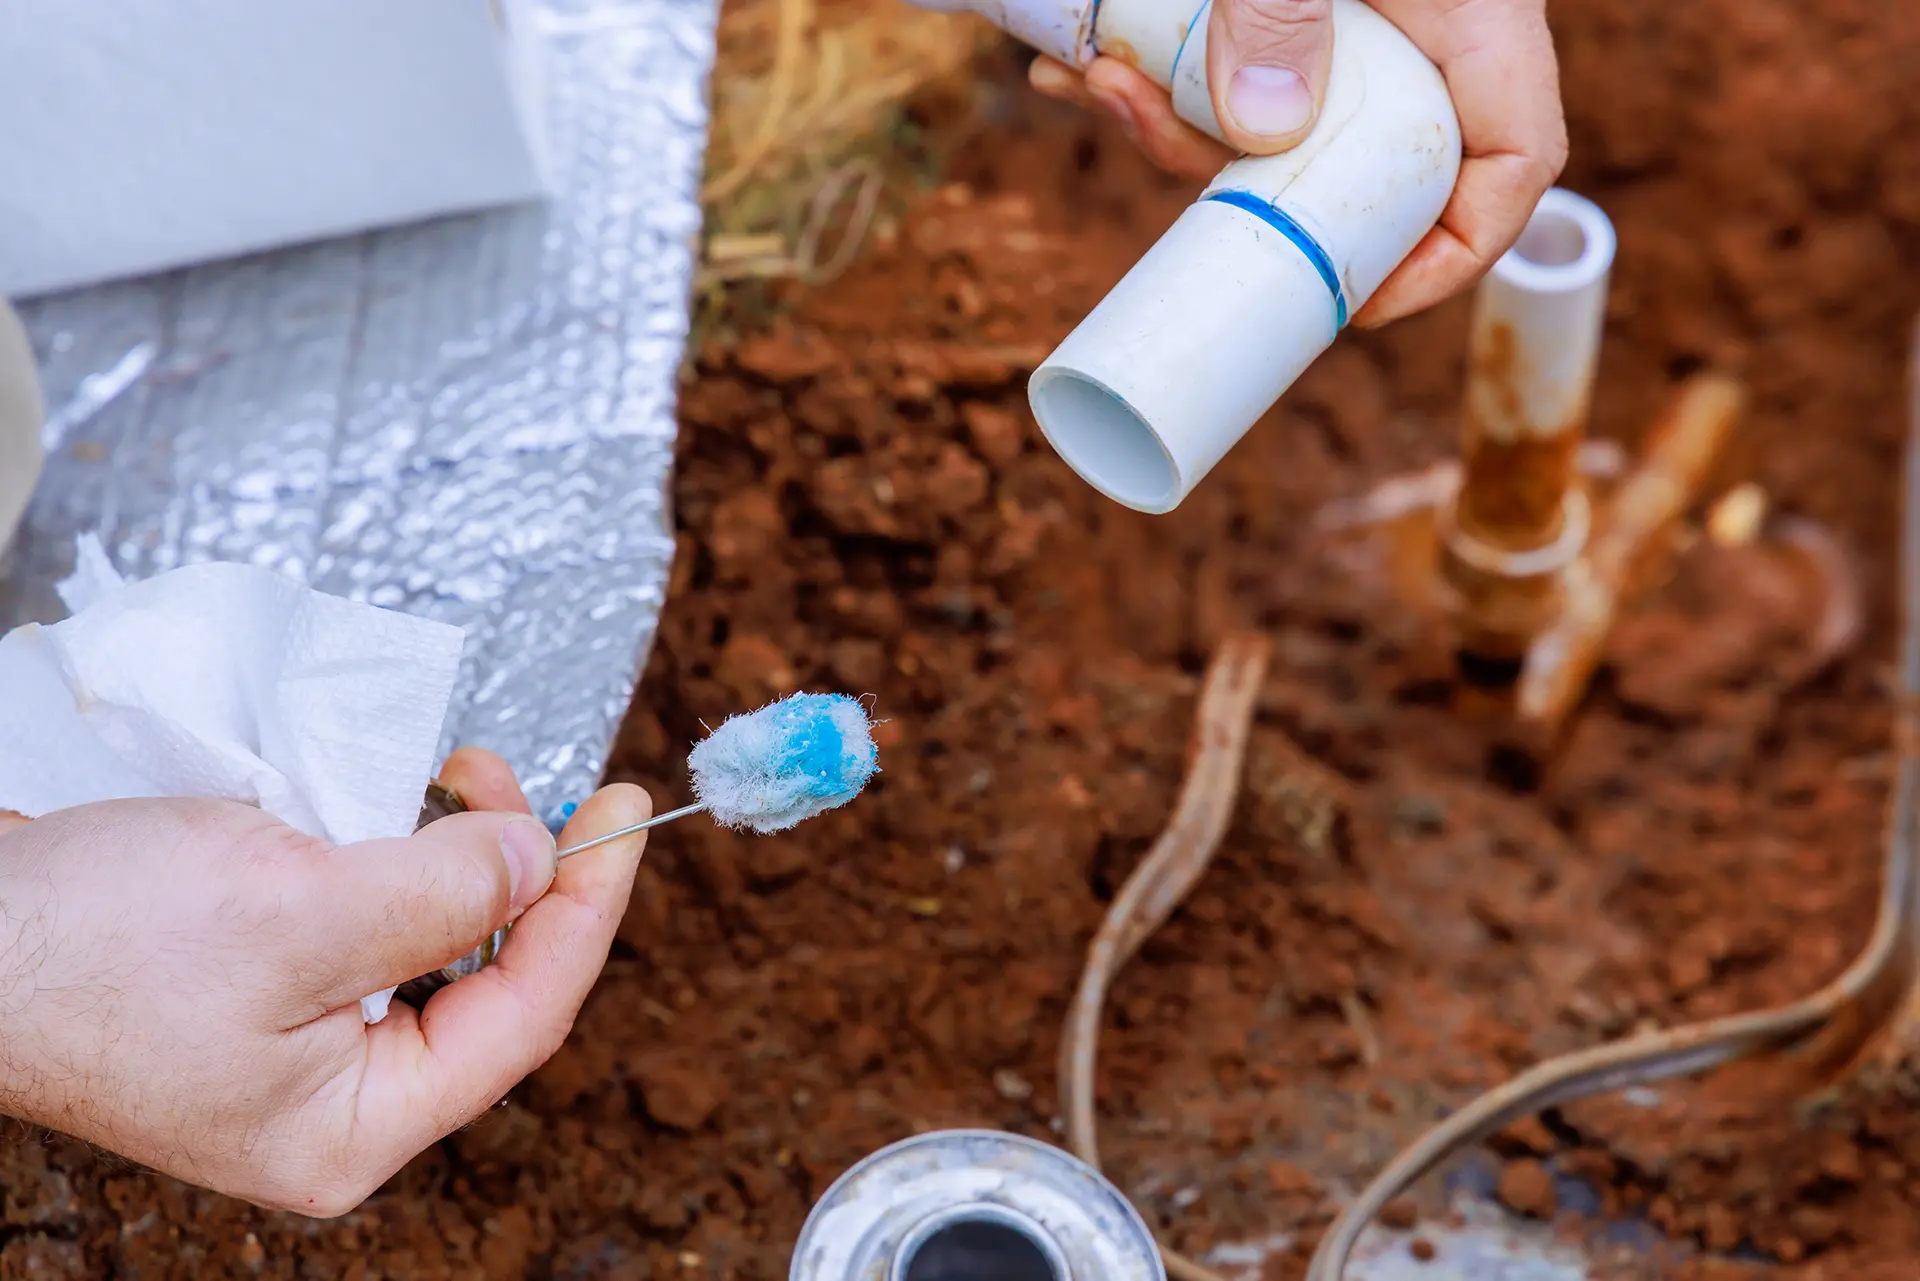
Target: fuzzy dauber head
775	768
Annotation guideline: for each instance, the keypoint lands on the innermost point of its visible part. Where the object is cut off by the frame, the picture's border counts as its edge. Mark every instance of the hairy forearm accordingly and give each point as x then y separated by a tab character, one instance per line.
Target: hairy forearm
23	941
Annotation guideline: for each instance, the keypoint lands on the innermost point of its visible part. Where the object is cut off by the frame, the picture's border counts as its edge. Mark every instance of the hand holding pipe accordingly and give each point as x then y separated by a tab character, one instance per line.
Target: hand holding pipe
1258	277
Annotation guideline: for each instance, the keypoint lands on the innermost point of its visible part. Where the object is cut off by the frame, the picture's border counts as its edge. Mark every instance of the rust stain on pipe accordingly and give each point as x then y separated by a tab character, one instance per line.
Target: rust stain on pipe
1629	539
1517	473
1505	542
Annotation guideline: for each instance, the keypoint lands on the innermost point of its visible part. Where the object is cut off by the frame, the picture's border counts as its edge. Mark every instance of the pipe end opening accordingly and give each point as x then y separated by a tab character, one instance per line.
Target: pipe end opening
1567	244
1102	438
980	1243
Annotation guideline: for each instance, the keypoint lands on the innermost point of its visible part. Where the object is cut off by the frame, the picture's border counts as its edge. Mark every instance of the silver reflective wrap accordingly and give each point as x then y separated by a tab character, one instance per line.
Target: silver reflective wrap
470	419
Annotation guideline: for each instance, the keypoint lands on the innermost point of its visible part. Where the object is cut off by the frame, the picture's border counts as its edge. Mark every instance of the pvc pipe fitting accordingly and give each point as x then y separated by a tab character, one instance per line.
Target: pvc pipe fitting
1520	517
1533	348
1167	41
1173	54
1061	29
22	418
1259	276
1254	281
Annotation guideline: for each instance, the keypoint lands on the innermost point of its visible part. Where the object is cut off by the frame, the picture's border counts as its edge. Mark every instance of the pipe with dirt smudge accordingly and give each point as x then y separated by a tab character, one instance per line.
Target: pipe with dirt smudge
1520	518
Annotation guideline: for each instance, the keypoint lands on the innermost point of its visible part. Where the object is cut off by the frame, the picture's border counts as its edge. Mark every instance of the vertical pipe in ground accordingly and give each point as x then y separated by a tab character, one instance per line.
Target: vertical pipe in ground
1521	516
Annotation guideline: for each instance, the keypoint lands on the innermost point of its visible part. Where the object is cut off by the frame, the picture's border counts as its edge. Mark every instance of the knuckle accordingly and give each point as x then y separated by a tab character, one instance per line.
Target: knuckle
1277	20
547	1030
468	898
325	1195
548	1039
486	889
332	1203
1543	168
1556	157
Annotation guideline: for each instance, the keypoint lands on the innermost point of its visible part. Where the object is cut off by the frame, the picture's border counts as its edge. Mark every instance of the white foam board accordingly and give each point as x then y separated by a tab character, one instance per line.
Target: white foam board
141	135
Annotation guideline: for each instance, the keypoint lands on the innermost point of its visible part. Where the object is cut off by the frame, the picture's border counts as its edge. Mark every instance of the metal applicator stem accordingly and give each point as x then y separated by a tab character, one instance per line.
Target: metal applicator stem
655	821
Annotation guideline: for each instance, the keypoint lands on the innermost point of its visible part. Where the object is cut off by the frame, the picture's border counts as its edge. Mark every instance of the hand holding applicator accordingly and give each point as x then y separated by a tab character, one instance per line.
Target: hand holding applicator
765	771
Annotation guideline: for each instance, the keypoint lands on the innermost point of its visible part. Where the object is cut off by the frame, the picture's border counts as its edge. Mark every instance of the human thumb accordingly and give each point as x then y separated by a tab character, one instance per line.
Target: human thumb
398	908
1267	64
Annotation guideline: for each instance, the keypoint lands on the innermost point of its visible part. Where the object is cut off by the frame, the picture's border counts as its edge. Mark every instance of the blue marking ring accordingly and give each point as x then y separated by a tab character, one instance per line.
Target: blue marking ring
1271	214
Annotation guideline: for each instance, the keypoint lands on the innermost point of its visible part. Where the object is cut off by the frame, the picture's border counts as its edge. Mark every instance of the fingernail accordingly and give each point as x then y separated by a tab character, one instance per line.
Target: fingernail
1121	110
1269	102
530	861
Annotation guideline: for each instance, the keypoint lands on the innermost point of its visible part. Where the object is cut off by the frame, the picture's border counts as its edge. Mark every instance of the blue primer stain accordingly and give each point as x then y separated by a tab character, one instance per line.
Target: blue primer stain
816	749
1271	214
558	817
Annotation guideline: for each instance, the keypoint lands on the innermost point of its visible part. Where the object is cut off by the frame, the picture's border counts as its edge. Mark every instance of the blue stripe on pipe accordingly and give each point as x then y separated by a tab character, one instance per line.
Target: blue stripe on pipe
1173	75
1271	214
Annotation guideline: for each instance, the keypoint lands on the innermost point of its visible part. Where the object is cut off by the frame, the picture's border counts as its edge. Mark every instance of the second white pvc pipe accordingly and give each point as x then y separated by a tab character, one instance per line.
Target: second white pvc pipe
1534	341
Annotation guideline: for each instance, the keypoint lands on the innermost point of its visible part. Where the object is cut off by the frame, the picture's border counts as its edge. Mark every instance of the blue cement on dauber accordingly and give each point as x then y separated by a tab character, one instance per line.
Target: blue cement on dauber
773	769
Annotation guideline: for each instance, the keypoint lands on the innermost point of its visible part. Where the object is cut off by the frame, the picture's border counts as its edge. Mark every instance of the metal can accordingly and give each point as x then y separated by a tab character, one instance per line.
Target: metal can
440	801
974	1205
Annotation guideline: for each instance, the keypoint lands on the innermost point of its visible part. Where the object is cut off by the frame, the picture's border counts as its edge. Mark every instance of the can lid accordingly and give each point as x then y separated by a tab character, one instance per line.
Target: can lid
955	1205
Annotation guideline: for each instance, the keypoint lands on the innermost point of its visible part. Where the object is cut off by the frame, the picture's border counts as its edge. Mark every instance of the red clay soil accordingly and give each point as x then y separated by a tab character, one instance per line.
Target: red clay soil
1393	924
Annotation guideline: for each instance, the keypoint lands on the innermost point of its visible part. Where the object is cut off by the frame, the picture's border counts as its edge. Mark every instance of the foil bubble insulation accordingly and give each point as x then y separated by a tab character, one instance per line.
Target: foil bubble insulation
470	419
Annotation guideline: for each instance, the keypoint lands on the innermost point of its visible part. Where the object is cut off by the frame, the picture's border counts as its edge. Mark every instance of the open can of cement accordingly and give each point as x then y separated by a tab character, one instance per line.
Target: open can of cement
440	802
974	1205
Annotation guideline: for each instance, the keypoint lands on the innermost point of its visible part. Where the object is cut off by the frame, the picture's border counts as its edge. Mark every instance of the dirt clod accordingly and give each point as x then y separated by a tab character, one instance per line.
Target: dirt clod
1526	1187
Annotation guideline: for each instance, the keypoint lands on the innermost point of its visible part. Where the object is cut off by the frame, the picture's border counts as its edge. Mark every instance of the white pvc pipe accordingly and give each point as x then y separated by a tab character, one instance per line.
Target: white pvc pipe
1168	42
1534	343
1061	29
1255	280
22	415
1166	39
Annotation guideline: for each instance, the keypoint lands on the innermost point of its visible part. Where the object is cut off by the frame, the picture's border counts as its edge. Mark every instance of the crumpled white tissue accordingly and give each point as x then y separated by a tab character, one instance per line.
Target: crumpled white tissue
231	682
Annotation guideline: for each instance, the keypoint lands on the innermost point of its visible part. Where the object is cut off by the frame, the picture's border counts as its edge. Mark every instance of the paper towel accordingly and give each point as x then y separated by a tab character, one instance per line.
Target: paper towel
232	682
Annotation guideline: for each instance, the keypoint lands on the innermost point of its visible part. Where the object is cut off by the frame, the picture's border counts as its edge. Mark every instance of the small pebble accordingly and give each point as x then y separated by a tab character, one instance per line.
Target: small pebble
1399	1214
1528	1135
1285	1178
1011	1086
1526	1187
1422	1249
1735	520
253	1255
